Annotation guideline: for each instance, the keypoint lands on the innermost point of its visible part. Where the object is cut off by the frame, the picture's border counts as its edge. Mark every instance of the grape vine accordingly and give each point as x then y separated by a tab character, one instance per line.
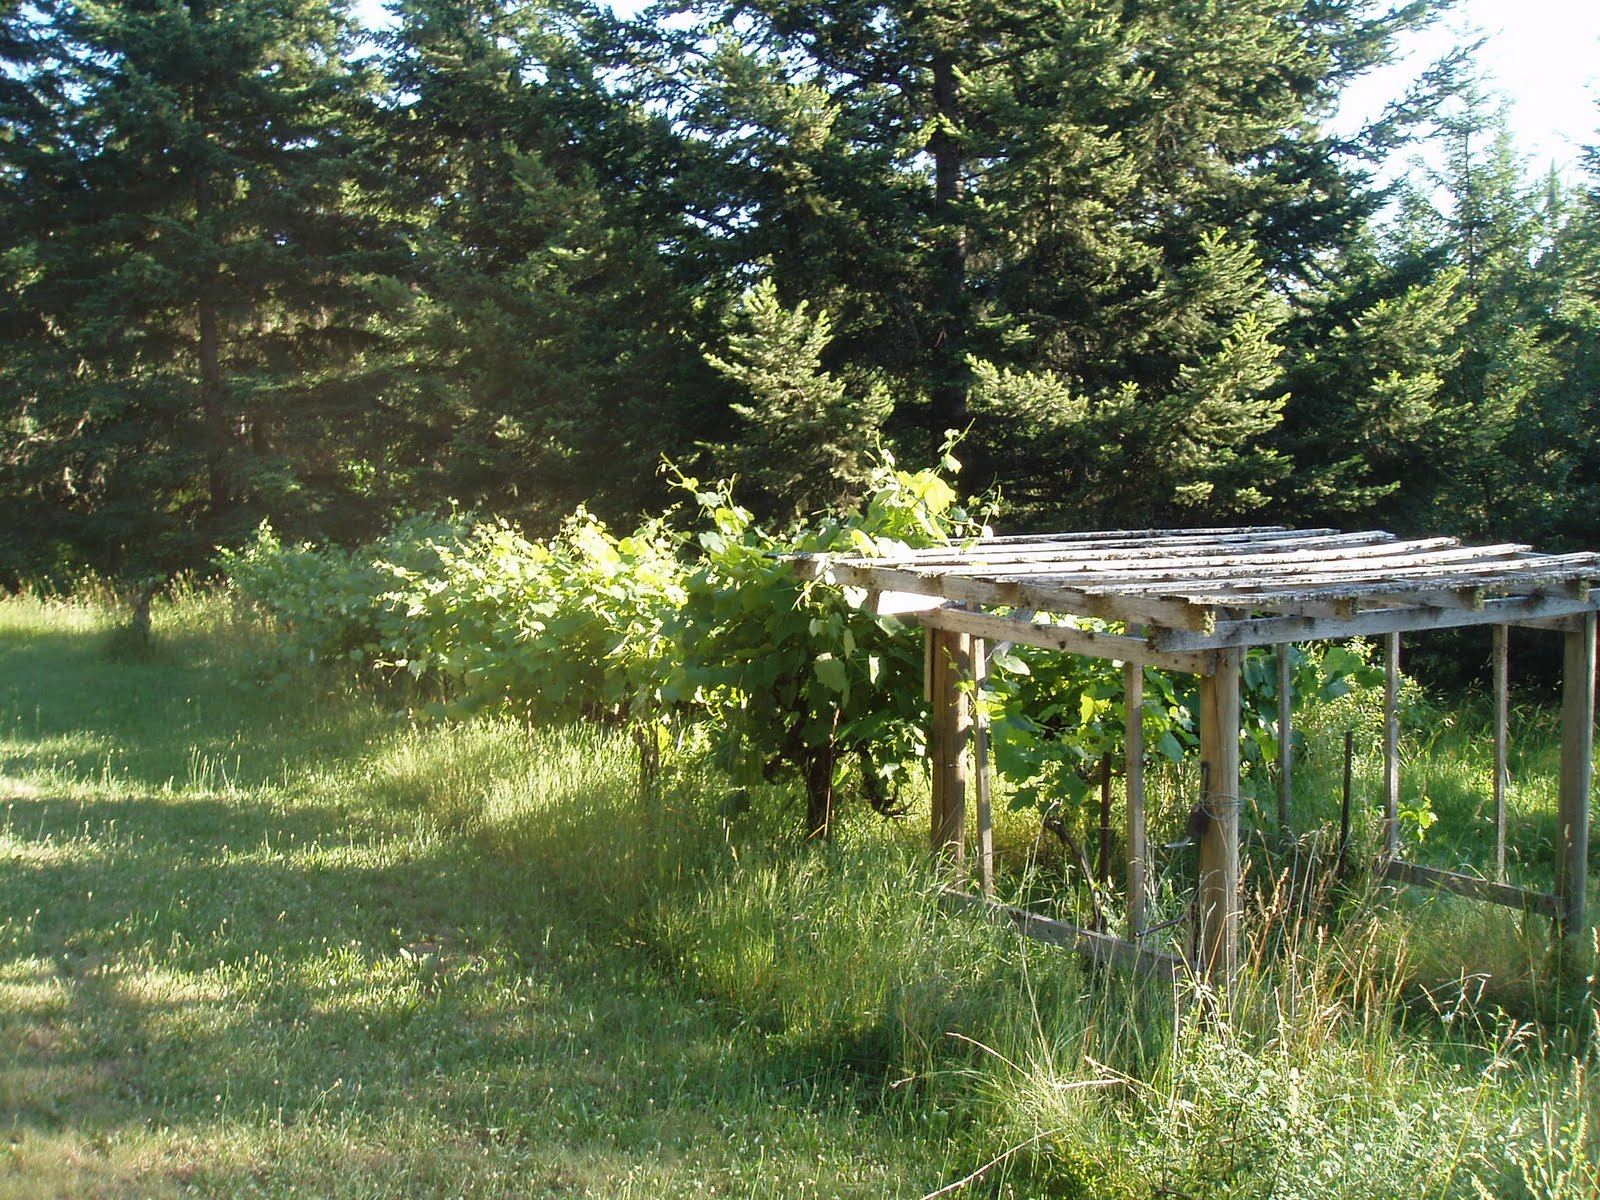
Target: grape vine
698	618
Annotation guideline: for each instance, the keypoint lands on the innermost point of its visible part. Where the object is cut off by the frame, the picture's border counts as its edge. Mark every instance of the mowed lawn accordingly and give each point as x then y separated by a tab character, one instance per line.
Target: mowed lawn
244	951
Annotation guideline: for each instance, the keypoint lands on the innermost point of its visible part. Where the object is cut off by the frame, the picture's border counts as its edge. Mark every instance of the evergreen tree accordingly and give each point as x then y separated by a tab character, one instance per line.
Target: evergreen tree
1428	404
30	82
1571	418
808	437
1372	424
1426	379
539	339
1499	232
31	144
199	291
1124	199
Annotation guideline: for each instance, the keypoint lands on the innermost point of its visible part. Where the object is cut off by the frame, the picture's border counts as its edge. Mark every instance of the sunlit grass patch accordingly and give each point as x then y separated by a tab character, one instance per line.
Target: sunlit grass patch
284	943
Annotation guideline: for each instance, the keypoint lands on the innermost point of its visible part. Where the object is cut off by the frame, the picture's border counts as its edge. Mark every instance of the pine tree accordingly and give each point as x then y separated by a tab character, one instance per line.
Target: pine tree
1372	423
1126	199
539	339
808	437
1491	224
1571	416
199	293
32	143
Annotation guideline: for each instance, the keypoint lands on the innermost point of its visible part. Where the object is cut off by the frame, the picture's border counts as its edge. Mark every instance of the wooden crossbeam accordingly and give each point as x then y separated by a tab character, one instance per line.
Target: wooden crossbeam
1362	560
1045	556
1503	574
1136	539
1469	599
1039	597
1396	870
1089	643
1100	947
1276	630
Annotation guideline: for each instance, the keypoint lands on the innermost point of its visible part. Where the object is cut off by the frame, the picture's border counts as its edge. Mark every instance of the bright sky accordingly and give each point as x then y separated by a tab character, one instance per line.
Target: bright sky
1543	56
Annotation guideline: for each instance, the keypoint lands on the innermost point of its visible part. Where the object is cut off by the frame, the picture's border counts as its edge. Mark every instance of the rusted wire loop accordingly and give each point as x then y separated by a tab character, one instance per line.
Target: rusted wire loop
1220	805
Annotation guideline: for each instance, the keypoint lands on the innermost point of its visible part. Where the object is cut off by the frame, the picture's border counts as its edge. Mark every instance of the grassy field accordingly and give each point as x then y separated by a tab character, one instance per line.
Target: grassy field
275	941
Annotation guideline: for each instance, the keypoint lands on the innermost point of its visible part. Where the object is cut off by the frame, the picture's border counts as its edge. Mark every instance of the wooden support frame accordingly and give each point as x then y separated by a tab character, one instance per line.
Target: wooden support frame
1217	894
1133	778
1566	905
1087	643
1501	670
1282	656
1396	870
1276	630
950	669
980	763
1391	745
1039	596
1192	601
1577	776
1100	947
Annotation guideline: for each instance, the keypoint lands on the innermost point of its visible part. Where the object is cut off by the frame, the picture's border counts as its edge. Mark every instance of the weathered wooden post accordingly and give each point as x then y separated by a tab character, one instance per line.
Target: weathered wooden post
1391	745
950	665
982	778
1502	773
1133	776
1577	775
1285	739
1217	900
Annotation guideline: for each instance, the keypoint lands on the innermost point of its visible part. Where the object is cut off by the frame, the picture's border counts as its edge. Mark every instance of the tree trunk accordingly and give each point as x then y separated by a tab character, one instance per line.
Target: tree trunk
819	791
213	405
948	394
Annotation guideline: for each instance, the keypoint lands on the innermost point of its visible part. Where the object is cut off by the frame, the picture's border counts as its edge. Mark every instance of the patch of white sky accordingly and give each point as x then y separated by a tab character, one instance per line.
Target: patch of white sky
1542	57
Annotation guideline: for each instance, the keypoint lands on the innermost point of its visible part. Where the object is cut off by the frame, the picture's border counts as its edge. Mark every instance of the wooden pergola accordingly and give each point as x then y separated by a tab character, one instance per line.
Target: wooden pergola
1193	601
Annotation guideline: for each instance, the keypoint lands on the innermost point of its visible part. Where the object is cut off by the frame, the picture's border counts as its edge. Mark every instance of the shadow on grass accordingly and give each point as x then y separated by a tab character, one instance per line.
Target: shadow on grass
170	960
203	945
216	959
176	719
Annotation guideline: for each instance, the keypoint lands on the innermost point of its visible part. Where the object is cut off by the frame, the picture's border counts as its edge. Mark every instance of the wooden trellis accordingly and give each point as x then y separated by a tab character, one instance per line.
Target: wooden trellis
1193	601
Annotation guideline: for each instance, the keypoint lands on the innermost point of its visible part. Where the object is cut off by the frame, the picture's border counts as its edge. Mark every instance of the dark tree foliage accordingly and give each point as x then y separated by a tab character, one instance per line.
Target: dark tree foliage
199	242
1431	393
1076	226
538	344
259	263
1570	418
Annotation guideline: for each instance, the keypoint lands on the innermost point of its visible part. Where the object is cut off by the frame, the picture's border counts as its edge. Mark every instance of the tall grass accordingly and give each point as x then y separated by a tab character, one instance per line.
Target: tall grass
1339	1071
283	941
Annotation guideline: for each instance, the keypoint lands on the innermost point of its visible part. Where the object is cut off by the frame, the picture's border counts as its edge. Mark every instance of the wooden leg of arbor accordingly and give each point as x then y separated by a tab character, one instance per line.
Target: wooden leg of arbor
1391	744
1217	901
1285	740
1577	774
1502	773
947	744
980	756
933	643
1133	774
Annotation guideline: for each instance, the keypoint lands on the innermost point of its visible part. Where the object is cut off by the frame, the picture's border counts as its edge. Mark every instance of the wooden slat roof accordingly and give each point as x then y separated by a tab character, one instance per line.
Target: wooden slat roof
1257	582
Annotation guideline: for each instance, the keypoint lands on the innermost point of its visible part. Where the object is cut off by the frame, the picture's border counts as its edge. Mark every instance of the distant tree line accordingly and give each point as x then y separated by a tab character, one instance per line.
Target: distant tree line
258	262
